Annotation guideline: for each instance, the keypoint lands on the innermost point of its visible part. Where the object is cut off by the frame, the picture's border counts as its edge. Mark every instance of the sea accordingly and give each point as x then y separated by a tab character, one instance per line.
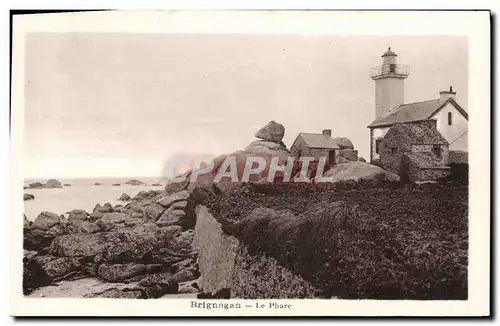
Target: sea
83	194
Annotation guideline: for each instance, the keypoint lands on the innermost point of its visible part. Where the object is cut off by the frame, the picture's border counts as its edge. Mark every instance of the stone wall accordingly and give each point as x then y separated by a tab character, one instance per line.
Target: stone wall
392	163
417	173
225	264
427	174
216	252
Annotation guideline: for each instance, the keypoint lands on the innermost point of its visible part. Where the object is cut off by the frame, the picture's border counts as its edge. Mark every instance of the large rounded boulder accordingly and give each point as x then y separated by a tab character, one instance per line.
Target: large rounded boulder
46	220
357	171
273	132
344	143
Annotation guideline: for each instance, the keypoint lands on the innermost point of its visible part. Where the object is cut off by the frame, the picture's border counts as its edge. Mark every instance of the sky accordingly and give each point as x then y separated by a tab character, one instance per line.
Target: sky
112	105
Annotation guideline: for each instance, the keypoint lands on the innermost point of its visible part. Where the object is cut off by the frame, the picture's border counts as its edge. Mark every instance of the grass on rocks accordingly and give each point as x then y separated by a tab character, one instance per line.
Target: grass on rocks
396	242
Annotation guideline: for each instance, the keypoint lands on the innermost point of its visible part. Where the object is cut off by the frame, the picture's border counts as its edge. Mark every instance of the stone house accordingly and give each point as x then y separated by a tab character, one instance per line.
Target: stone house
336	150
390	108
416	151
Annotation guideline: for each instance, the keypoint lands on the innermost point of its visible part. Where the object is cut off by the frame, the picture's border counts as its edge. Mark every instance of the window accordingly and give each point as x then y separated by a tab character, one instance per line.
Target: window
377	145
450	121
437	150
394	150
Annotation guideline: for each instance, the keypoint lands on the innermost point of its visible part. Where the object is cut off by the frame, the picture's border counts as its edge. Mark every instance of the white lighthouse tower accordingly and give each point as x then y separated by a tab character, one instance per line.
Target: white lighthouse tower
389	83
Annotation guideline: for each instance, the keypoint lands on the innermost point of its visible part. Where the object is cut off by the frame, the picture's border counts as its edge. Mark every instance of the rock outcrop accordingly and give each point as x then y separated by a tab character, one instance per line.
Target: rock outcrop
26	222
344	143
269	148
124	197
77	215
28	197
45	221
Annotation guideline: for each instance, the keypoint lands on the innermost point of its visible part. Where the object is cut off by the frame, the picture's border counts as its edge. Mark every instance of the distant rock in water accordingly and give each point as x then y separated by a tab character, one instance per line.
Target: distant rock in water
28	197
97	184
124	197
53	183
116	184
134	182
156	185
36	185
67	185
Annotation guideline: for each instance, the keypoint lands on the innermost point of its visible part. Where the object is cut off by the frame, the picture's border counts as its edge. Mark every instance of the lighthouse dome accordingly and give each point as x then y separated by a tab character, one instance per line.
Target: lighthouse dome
389	53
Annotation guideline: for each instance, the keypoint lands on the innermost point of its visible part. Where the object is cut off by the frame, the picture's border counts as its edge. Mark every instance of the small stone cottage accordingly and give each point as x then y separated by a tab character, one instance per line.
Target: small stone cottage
416	151
336	150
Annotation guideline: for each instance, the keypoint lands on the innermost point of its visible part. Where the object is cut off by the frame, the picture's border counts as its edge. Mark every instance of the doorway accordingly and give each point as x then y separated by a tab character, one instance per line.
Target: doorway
331	157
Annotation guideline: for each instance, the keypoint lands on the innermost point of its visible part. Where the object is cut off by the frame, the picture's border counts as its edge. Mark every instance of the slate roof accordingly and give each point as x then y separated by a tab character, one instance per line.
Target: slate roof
318	141
424	133
416	111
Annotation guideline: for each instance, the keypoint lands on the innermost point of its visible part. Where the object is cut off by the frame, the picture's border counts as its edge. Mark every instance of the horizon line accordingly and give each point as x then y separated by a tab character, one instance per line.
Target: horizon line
90	177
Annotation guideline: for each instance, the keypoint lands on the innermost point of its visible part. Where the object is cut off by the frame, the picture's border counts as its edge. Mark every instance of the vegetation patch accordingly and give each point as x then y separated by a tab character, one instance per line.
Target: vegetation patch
404	242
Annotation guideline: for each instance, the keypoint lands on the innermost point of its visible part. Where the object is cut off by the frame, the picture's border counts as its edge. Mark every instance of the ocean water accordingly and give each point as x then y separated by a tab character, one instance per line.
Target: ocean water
82	194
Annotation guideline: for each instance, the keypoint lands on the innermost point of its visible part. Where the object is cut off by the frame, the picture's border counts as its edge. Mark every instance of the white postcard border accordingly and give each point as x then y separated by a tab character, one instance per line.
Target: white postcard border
474	25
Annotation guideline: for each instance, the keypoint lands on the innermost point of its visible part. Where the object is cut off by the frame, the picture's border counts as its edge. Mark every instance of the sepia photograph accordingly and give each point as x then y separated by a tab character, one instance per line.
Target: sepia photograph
234	171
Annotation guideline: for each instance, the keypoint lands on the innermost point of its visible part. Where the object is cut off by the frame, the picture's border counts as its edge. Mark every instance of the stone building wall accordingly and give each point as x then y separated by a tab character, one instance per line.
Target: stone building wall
317	153
459	157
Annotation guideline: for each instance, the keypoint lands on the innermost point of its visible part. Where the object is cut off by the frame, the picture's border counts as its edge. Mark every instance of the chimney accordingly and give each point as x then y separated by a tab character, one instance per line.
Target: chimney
444	95
327	132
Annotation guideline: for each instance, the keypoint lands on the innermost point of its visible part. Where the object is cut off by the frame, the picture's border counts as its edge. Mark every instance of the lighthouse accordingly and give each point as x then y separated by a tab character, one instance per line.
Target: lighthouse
449	118
389	83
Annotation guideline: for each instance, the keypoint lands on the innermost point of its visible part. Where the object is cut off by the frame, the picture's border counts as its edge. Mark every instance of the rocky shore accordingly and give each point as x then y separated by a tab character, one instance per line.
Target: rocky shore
140	250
